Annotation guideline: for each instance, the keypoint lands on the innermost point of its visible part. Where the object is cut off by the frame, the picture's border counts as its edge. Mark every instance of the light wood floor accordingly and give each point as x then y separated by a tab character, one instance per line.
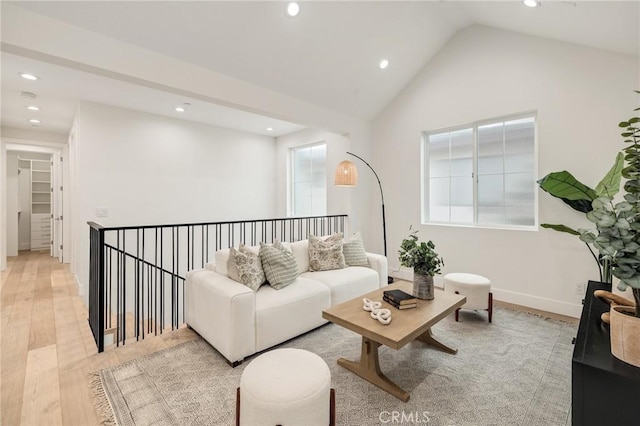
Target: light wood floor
48	350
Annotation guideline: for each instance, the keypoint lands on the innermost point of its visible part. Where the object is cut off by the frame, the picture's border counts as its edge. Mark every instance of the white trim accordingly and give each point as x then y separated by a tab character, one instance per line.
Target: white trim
541	303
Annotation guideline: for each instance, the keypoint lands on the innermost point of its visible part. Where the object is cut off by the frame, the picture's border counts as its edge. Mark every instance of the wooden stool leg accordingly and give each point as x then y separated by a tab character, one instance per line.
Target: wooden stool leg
332	407
457	310
490	306
237	406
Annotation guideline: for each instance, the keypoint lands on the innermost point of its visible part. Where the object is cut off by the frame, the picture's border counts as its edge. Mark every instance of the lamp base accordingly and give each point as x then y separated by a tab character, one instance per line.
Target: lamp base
389	280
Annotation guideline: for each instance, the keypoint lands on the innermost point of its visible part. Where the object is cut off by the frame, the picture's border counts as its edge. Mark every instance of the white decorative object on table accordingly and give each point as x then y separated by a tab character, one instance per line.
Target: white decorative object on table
382	315
369	305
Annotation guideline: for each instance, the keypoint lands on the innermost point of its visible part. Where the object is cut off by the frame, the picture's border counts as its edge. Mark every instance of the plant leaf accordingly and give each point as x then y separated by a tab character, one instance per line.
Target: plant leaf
566	187
560	228
609	186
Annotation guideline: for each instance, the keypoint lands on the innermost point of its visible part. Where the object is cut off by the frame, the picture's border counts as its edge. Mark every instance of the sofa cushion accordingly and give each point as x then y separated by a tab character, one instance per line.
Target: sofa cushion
348	283
279	265
354	253
326	254
300	250
286	313
249	268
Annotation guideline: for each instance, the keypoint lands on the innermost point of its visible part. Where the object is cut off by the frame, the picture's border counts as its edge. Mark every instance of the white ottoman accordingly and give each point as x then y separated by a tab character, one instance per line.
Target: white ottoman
476	288
288	387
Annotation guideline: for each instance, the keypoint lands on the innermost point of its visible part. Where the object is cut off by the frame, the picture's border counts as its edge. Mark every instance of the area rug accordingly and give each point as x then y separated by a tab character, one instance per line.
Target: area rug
515	371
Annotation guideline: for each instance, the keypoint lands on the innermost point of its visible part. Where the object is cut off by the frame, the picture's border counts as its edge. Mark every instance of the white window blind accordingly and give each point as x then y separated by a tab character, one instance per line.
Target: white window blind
482	174
309	180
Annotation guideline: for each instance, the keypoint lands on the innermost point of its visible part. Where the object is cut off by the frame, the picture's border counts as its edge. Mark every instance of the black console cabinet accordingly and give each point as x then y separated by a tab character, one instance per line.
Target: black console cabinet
605	390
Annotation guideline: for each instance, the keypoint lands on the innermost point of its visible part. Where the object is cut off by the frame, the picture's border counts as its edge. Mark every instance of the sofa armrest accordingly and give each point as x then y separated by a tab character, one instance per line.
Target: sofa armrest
378	263
222	311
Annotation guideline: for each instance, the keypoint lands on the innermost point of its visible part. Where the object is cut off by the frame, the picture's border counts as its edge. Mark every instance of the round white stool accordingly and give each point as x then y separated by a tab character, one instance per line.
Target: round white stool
476	288
286	387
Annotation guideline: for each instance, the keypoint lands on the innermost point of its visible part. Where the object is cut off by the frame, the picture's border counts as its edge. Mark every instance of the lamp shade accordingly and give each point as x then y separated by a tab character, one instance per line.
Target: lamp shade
346	174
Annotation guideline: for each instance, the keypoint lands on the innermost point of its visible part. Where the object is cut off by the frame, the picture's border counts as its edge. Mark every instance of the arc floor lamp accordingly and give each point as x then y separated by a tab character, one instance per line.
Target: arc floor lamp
347	175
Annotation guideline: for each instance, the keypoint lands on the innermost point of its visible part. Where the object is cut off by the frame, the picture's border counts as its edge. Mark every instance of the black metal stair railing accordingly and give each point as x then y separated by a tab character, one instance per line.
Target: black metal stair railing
137	273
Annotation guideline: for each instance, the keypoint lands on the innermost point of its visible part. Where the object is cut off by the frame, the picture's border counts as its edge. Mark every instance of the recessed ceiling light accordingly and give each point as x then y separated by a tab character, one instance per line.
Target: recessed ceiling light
33	108
532	3
293	9
28	76
28	95
269	129
34	121
383	64
183	107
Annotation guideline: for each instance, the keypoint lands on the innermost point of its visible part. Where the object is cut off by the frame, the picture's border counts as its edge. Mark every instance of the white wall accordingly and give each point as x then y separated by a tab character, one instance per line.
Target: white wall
580	95
146	169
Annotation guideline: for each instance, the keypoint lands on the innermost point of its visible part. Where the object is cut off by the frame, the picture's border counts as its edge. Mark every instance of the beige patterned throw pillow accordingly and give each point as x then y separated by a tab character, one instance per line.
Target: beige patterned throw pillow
326	254
353	250
279	265
248	267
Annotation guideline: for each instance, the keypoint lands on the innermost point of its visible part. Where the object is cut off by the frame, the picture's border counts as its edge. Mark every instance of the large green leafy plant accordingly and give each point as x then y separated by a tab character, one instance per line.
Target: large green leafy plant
420	256
578	196
618	225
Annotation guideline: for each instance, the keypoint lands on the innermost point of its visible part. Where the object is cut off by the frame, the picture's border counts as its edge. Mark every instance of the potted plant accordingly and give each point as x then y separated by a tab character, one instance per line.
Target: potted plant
617	238
420	256
578	196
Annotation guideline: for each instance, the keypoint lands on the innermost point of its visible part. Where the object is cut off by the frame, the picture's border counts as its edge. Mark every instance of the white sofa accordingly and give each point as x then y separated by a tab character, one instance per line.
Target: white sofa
239	322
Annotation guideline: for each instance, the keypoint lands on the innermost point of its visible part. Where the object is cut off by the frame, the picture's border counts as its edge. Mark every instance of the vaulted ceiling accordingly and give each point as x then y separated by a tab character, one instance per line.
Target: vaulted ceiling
328	55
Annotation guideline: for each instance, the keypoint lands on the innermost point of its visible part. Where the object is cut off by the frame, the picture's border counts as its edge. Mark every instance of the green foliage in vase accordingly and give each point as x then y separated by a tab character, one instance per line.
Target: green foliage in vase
617	235
420	256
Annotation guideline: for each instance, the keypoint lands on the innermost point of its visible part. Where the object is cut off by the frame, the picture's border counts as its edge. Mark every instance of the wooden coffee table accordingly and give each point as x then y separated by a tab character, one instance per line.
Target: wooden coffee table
406	325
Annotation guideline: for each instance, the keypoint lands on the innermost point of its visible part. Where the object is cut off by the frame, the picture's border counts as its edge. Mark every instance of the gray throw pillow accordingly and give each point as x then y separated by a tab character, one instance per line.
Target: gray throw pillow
326	254
353	250
279	265
249	268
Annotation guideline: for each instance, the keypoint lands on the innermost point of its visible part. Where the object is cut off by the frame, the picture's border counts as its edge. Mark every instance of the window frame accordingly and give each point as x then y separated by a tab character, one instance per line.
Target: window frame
291	171
424	155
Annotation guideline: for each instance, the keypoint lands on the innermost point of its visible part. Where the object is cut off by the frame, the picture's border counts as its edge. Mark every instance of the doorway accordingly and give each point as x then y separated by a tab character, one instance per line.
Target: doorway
34	219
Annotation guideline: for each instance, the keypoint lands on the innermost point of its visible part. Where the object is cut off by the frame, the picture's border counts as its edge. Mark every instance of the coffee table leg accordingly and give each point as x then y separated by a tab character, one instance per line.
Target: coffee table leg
427	337
369	369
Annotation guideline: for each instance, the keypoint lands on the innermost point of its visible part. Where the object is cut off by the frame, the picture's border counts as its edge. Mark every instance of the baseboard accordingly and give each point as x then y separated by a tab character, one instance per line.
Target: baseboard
77	283
542	303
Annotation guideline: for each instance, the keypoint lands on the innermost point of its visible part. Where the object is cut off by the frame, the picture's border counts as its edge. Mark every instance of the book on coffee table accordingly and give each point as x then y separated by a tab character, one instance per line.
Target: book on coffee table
397	305
399	297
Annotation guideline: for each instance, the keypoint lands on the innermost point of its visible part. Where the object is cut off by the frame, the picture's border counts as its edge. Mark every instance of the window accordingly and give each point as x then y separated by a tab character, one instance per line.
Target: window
482	174
309	180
